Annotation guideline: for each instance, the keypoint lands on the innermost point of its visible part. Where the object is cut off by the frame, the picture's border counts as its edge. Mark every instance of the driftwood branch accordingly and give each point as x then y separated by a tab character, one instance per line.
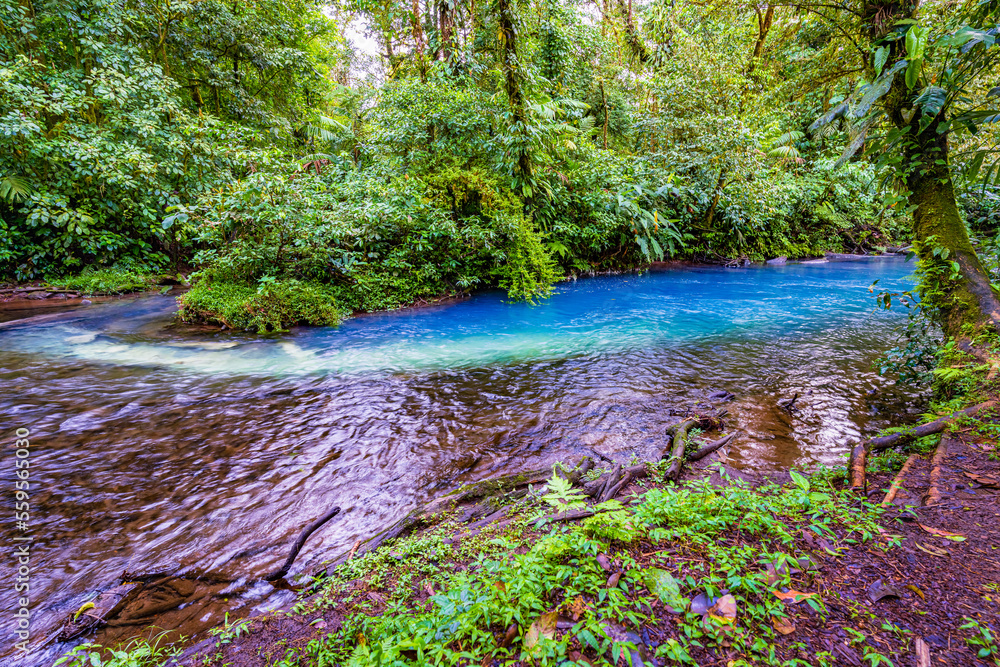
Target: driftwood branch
299	543
711	447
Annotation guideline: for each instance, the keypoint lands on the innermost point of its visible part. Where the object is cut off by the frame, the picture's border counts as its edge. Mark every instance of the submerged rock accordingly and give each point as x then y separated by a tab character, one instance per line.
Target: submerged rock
778	261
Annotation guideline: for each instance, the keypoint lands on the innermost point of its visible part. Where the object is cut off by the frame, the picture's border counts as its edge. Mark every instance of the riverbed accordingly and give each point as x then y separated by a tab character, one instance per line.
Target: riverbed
157	447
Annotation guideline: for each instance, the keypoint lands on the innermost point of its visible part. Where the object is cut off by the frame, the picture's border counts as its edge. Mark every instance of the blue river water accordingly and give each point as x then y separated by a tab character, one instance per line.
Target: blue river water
608	315
161	447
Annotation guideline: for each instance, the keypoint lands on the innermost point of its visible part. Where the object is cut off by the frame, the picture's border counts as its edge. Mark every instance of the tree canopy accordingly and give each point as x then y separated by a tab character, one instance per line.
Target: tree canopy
501	143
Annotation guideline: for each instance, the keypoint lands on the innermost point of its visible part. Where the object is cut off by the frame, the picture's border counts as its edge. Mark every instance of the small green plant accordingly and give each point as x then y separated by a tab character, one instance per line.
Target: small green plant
137	653
227	632
562	496
983	641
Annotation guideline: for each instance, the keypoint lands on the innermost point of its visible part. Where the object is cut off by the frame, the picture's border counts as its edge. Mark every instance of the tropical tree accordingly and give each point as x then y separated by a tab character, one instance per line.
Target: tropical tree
932	84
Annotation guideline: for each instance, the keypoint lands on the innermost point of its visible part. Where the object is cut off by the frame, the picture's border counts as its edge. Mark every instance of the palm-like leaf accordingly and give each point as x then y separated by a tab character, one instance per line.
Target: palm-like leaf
14	189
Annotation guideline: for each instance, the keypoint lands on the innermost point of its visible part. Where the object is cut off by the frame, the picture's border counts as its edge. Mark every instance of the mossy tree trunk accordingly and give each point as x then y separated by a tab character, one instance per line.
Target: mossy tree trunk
964	301
967	303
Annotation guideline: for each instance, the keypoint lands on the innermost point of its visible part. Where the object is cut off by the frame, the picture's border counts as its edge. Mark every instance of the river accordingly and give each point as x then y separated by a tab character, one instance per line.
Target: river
157	447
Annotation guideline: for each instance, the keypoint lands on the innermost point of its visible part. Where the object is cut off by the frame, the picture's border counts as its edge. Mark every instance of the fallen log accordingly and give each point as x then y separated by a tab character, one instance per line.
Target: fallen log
930	428
859	453
856	467
678	432
897	483
711	447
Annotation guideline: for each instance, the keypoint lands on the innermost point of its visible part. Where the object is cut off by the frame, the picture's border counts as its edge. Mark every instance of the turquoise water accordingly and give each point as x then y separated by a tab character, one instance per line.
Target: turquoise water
160	447
592	317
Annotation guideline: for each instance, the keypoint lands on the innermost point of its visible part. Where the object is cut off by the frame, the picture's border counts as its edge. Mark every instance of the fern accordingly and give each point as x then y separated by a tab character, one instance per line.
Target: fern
563	496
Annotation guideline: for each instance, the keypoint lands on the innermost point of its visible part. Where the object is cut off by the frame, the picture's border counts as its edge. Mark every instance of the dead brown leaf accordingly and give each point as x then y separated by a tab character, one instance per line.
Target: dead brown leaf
793	597
783	624
932	550
954	537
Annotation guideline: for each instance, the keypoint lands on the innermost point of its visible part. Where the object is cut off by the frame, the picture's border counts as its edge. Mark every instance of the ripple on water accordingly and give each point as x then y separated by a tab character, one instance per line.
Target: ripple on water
159	449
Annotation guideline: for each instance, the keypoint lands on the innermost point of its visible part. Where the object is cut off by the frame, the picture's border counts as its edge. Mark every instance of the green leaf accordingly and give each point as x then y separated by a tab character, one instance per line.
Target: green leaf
665	586
799	480
876	90
913	72
881	56
14	189
916	42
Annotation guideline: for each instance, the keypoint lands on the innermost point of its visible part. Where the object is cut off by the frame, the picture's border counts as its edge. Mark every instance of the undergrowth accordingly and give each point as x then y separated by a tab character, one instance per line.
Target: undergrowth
106	281
271	306
709	564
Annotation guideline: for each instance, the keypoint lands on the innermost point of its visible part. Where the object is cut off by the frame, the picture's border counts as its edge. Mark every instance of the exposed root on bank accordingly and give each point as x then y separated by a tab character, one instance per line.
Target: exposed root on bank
897	483
933	490
859	453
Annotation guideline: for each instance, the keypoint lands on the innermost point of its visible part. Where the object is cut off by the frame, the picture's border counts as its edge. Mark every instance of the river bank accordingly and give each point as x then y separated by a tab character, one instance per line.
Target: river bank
25	299
391	409
728	568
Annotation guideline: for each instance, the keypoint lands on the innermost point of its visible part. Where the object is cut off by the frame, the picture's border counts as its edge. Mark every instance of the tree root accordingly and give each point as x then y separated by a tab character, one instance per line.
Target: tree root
897	483
933	492
859	453
711	447
508	486
299	543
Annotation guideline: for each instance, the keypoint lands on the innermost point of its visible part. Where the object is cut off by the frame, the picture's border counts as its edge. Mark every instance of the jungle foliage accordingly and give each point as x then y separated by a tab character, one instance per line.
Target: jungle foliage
486	144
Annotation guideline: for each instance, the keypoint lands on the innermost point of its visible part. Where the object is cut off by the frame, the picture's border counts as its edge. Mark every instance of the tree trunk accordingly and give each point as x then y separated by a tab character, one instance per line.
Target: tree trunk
764	22
604	103
512	82
445	27
635	42
937	223
939	233
418	38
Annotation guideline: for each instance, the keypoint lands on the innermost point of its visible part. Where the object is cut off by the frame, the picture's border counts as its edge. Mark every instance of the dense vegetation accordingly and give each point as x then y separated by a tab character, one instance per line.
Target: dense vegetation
487	144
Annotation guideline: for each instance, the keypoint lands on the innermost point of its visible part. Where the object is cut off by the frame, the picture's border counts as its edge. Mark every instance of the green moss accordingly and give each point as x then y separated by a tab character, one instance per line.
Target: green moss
273	306
105	281
382	290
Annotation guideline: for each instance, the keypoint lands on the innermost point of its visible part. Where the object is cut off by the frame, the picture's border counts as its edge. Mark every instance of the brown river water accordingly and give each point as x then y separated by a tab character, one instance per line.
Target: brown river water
162	449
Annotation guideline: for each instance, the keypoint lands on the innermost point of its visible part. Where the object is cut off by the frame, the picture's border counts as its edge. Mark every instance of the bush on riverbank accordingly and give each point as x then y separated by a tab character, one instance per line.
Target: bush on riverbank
106	281
273	306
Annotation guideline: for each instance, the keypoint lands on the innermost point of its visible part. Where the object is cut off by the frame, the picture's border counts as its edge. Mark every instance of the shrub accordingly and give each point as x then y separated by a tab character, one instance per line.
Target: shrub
273	306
